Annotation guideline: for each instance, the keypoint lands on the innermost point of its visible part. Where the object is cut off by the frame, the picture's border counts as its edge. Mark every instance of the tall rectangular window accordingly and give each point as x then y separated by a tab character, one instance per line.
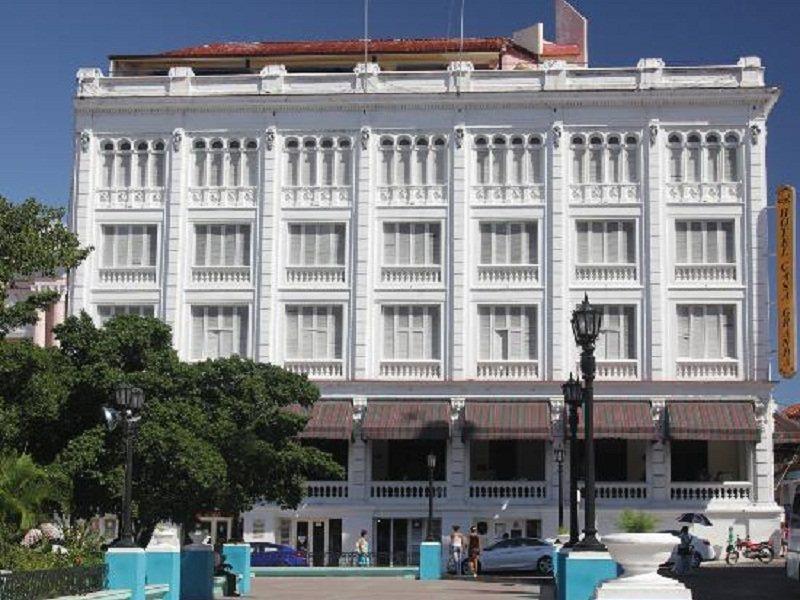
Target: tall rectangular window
617	338
106	312
412	244
706	331
219	331
507	332
129	245
411	332
222	245
314	332
606	242
315	244
509	243
704	242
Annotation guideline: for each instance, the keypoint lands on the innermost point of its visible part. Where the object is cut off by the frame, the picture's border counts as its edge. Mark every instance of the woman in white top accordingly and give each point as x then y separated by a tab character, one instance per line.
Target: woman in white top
456	547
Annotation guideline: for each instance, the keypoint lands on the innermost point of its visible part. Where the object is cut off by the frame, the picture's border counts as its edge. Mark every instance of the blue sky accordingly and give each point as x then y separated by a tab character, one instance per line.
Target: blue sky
43	43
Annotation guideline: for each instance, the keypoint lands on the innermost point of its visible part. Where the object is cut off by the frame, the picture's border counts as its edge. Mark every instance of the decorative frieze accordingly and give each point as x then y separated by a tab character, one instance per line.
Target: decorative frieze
604	193
508	194
704	193
222	197
316	197
412	195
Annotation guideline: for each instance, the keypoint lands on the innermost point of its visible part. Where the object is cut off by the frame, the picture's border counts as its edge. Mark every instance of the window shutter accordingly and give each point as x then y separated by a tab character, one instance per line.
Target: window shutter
697	332
109	241
486	243
630	332
343	164
535	175
311	239
137	256
337	331
324	235
482	166
632	164
500	243
712	242
152	244
675	166
388	333
613	332
436	246
226	333
389	244
321	339
729	331
419	244
419	343
339	240
328	167
404	244
215	241
694	165
435	337
613	254
696	241
713	333
292	332
244	244
531	243
306	317
484	329
200	244
683	331
295	237
577	166
729	241
583	241
198	332
229	235
515	243
628	242
596	240
681	242
242	329
122	246
515	339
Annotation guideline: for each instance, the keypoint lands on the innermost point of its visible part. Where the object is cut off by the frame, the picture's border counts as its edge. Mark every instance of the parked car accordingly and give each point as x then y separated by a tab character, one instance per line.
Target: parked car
266	554
516	554
702	549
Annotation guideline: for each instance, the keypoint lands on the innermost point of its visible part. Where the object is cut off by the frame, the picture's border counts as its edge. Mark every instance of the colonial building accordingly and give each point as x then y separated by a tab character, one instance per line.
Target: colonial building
413	233
40	332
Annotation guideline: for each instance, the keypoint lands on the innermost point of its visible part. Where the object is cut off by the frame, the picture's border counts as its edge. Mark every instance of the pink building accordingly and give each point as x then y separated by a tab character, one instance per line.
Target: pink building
41	332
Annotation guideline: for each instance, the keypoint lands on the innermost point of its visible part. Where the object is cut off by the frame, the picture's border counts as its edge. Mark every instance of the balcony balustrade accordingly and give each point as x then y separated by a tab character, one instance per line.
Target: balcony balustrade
411	369
605	273
508	195
411	275
316	197
315	368
705	492
704	193
222	197
400	491
130	198
705	273
221	276
621	491
617	369
316	275
327	491
127	276
528	492
604	193
508	369
412	195
705	369
508	276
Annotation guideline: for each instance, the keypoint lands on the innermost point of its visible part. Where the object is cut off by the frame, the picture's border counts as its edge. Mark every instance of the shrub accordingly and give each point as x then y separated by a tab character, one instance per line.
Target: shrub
636	521
80	547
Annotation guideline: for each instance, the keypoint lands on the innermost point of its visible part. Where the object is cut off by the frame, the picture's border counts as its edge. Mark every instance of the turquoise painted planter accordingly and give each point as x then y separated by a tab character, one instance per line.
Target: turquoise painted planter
579	573
238	557
163	567
126	571
430	561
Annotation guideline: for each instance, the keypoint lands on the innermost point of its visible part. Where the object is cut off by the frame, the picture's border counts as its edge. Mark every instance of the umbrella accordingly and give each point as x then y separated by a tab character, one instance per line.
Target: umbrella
694	518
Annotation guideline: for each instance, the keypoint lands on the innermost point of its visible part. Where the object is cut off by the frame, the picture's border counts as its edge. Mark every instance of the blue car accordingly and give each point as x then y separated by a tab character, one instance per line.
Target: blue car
266	554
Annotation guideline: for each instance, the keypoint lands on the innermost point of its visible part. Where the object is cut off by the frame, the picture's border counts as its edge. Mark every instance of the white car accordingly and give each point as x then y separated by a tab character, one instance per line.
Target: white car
702	549
517	554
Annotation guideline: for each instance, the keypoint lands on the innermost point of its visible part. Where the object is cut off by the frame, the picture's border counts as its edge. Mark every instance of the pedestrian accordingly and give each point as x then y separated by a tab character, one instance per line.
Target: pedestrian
223	569
362	550
474	550
684	559
456	547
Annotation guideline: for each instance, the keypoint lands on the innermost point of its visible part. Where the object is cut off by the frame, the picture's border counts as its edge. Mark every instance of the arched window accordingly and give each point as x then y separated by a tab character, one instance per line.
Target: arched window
159	164
713	157
578	159
404	162
328	162
693	158
387	161
675	157
308	166
482	161
499	152
536	168
440	161
517	173
217	169
292	162
107	149
235	163
344	163
614	159
596	159
124	158
423	156
631	159
200	163
251	163
731	157
140	180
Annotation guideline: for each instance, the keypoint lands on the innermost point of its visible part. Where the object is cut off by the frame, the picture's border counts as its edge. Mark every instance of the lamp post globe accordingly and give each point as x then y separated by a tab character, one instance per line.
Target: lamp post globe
431	468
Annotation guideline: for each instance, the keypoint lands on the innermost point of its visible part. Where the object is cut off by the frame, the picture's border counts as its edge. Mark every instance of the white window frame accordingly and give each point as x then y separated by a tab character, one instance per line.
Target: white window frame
206	151
504	146
628	324
492	312
246	311
145	160
317	310
632	243
700	309
683	143
116	264
721	241
429	243
432	346
525	249
304	235
317	152
598	150
413	160
132	308
246	253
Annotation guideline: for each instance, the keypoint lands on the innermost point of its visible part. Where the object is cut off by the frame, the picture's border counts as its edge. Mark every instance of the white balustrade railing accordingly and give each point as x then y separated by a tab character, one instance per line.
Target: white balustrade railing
327	491
412	195
528	491
618	490
711	193
222	197
705	492
127	276
322	275
621	368
508	275
604	193
221	275
601	274
403	275
130	198
508	195
508	369
706	273
411	369
691	368
315	368
405	490
316	197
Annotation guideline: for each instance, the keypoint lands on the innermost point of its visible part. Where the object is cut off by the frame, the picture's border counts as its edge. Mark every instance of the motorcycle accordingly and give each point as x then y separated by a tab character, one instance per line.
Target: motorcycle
749	549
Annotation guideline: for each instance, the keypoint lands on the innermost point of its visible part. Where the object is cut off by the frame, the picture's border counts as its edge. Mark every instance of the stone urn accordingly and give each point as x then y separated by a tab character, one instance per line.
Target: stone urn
639	555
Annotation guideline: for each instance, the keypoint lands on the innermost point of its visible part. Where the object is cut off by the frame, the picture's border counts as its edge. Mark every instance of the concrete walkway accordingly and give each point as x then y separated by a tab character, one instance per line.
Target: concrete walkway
296	588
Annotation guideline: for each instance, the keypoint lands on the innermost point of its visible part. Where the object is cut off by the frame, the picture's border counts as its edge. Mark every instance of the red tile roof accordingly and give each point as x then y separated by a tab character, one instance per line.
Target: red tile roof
792	411
355	46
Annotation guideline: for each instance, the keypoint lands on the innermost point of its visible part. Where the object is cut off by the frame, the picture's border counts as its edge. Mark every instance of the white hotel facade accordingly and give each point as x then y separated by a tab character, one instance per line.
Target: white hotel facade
413	233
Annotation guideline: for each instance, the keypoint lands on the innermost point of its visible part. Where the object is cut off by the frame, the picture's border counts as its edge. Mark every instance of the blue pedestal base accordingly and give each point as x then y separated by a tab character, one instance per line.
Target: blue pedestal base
126	570
197	572
164	566
430	561
238	557
579	573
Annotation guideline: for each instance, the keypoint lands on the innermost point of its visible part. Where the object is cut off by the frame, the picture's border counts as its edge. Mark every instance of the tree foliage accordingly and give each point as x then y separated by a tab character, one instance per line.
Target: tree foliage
213	435
33	242
26	489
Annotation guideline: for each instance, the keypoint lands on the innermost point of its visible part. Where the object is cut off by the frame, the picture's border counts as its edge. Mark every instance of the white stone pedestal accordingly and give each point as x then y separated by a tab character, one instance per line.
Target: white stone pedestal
643	587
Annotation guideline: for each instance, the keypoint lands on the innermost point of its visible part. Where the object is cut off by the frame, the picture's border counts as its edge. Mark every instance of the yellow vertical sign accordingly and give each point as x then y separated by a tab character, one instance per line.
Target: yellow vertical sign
784	278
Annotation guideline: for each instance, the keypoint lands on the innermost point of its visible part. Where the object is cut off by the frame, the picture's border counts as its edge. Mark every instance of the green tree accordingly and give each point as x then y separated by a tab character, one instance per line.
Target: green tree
25	490
33	242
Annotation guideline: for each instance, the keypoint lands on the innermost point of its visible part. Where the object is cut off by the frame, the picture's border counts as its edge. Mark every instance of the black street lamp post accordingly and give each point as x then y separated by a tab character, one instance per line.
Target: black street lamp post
431	467
559	456
130	400
573	394
586	322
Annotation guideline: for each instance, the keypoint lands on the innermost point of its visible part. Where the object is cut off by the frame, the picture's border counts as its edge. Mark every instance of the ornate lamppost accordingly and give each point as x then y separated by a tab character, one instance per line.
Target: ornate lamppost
130	400
558	453
573	395
431	468
586	322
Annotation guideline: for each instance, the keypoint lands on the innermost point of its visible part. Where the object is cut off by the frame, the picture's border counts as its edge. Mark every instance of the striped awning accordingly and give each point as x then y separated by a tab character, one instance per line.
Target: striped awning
787	431
507	420
406	420
629	420
719	421
329	420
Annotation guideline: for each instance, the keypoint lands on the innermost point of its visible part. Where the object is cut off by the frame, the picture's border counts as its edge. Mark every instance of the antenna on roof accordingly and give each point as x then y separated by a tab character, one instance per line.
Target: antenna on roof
366	30
461	41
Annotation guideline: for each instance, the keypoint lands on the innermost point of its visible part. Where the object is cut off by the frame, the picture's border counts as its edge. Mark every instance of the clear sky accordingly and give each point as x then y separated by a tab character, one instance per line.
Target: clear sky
44	42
